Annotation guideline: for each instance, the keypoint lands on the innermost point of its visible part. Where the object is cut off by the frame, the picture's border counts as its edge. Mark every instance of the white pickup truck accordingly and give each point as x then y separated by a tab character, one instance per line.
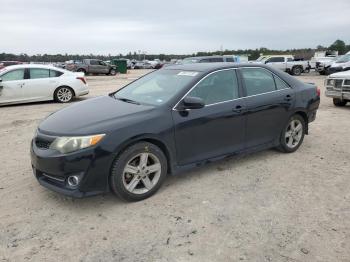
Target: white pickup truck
285	63
338	87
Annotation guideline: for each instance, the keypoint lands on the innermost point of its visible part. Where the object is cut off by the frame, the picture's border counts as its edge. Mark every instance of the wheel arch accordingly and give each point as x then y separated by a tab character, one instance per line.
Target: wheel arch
303	114
54	92
150	139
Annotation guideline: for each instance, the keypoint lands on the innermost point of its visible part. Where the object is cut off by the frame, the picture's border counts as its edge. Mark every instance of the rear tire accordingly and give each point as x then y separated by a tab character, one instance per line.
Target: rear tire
82	71
292	135
63	94
339	102
297	70
138	172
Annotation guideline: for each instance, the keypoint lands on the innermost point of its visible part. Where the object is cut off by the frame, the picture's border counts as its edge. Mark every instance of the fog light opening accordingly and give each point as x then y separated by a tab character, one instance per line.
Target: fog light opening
73	181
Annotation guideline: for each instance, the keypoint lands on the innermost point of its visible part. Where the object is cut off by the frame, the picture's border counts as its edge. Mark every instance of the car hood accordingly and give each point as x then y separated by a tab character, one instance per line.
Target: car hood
344	74
93	116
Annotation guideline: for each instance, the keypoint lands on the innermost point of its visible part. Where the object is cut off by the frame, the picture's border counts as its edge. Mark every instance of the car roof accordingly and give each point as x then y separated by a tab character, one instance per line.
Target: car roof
208	67
32	66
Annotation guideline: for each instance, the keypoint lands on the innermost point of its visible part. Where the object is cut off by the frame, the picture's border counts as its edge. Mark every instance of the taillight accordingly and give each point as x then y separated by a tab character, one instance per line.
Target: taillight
318	91
82	79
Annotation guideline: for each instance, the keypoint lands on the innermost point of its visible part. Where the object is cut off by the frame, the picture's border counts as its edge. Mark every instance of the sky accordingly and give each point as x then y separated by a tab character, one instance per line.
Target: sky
169	27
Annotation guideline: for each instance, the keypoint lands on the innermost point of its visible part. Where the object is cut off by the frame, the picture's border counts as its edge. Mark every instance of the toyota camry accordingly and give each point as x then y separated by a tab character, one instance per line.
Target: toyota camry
168	121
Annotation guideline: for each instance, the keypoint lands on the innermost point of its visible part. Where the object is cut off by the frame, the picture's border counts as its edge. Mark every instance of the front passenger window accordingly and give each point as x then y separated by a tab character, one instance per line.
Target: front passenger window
217	87
13	75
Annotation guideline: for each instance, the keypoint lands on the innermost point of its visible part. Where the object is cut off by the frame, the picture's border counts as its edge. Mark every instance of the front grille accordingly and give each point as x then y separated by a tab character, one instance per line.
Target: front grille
346	88
42	144
338	83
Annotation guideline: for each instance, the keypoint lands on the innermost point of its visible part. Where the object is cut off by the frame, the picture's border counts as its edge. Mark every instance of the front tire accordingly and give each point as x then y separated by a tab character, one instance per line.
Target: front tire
63	94
292	135
339	102
138	172
113	72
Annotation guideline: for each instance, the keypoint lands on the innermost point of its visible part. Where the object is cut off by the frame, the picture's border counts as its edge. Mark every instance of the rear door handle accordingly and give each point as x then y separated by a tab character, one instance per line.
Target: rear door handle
238	109
288	98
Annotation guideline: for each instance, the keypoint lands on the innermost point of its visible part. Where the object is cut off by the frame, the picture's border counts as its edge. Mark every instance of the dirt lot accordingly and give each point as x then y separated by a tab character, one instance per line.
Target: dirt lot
266	206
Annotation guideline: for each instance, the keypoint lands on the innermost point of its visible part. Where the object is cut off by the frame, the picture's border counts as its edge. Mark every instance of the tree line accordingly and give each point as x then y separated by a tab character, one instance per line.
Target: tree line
306	53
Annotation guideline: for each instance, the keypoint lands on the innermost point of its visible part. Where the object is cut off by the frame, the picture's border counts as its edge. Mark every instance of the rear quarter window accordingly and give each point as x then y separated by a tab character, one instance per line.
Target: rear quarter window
54	73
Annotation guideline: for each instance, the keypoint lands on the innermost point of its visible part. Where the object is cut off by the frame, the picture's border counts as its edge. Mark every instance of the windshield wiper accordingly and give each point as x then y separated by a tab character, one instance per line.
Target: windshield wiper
128	100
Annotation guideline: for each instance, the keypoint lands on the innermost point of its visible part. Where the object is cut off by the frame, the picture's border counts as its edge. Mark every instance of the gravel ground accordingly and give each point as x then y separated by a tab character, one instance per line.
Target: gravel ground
266	206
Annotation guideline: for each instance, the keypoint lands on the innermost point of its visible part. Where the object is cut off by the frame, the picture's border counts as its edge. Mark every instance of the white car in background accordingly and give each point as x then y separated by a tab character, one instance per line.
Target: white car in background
32	83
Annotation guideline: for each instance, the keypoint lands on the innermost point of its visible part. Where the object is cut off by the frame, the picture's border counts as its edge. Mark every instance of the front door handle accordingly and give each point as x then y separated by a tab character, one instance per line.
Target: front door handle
238	109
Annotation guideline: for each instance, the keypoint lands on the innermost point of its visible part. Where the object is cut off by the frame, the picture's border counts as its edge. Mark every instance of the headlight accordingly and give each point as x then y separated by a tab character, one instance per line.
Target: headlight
347	82
330	82
71	144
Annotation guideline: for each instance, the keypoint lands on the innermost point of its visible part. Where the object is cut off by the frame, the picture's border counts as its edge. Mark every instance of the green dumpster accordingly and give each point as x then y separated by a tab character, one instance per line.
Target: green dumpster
121	65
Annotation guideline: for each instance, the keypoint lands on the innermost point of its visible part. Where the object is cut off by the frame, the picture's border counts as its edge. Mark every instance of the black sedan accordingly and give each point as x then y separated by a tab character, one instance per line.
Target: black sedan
168	121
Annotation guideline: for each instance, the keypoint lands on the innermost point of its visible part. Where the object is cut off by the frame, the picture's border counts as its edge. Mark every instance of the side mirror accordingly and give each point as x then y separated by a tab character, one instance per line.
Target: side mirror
267	61
193	103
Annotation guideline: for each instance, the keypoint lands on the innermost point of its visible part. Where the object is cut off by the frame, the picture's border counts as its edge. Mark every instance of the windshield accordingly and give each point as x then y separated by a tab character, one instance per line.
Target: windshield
189	60
157	87
344	59
261	58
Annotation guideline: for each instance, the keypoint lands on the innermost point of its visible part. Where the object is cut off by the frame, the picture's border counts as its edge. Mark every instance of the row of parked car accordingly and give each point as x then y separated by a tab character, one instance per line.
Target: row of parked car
28	83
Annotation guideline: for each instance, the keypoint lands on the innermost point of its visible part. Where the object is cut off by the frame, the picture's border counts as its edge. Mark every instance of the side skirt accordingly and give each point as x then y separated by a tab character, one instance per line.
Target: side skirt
181	169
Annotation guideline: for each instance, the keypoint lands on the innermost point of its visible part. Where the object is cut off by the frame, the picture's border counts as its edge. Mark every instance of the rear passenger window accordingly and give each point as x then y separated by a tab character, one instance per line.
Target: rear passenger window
36	73
280	84
217	87
54	73
257	81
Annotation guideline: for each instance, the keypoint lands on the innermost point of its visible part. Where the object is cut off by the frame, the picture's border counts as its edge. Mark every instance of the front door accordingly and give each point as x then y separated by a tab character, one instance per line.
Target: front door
39	85
216	129
11	86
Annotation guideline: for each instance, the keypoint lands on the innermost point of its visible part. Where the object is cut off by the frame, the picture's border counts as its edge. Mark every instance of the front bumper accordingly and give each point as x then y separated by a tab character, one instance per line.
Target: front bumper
52	169
338	94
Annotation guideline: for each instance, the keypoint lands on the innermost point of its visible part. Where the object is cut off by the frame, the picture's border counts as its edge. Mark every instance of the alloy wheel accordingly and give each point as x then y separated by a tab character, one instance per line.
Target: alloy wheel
64	94
294	133
141	173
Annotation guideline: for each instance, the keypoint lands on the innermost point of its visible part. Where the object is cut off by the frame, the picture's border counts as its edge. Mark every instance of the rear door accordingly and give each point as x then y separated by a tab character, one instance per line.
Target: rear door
216	129
269	101
11	86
